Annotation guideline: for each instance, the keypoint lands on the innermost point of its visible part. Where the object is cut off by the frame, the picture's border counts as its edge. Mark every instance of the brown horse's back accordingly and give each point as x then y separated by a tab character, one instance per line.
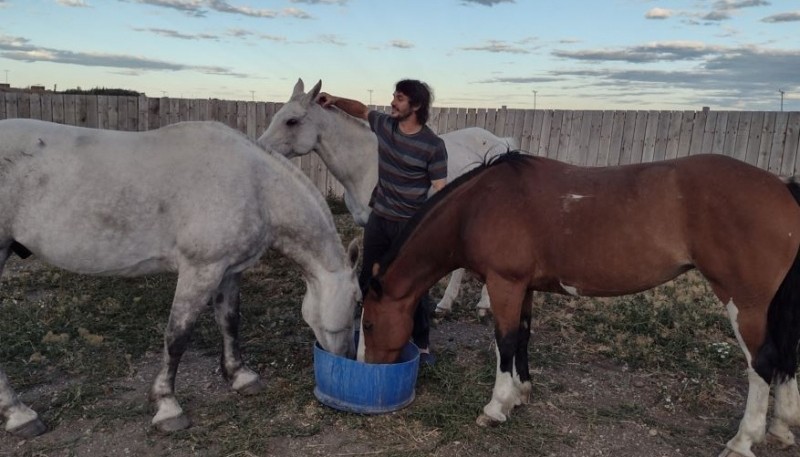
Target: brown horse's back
617	230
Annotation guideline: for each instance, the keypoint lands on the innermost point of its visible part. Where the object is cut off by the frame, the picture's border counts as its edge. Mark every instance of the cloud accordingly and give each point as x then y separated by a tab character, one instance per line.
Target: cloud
723	9
520	80
658	13
175	34
485	2
401	44
783	17
199	8
322	2
71	3
654	52
15	48
497	46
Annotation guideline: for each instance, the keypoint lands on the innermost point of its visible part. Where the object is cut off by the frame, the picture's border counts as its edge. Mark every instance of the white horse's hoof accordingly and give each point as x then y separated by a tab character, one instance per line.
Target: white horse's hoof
783	440
729	453
485	421
253	388
483	312
173	424
34	427
441	312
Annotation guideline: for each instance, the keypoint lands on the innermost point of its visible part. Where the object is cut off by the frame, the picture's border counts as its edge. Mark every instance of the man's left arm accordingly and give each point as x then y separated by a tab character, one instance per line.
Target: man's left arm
438	184
438	168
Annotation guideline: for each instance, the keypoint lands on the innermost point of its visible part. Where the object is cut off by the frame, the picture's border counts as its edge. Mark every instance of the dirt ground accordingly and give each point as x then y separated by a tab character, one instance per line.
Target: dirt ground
588	405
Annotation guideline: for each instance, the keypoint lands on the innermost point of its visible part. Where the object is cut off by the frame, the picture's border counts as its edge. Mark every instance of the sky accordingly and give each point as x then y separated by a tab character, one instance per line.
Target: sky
548	54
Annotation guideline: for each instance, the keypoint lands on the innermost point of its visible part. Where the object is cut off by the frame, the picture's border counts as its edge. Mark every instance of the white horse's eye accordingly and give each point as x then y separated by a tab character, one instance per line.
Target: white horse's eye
292	122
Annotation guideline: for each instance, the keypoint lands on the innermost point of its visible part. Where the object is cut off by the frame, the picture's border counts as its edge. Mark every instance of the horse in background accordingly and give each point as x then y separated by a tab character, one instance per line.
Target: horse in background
196	198
527	224
348	148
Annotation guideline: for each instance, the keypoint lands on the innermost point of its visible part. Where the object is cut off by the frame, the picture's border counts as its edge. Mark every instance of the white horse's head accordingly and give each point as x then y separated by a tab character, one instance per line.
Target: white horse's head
329	305
294	130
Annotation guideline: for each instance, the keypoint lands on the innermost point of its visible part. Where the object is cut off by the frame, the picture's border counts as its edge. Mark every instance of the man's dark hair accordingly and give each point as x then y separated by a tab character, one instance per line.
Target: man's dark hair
419	94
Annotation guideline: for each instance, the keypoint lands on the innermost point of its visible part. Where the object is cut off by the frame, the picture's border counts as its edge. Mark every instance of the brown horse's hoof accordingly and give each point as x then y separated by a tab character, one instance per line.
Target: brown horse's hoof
485	421
252	388
173	424
29	429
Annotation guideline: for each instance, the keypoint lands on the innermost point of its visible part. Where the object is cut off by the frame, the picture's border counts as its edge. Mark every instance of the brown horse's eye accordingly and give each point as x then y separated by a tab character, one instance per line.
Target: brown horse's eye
367	326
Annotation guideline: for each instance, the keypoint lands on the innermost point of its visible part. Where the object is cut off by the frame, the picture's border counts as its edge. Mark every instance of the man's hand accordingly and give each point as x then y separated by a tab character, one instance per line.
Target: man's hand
325	99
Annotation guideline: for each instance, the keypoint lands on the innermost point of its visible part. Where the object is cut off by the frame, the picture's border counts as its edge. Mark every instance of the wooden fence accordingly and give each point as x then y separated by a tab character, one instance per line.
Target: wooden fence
769	140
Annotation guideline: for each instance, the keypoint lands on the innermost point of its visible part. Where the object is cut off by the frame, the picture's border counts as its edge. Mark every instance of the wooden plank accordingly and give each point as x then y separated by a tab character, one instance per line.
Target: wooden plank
519	125
35	106
480	118
674	135
112	113
70	109
143	105
628	131
778	139
650	134
731	127
708	132
604	142
3	105
593	145
471	117
47	107
500	122
133	113
433	119
698	131
122	113
441	121
754	138
250	117
662	136
174	110
640	129
790	146
11	103
555	133
82	111
102	112
58	108
544	142
461	118
511	117
452	120
615	145
261	119
687	126
720	131
536	132
184	110
24	105
767	132
742	132
153	113
491	119
564	136
579	149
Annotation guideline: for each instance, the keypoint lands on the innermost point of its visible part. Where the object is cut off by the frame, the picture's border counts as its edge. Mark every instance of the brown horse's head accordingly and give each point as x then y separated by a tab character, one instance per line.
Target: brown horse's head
387	323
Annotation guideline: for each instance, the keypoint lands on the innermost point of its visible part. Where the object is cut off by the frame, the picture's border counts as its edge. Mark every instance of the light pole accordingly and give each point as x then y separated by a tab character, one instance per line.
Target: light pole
370	95
782	92
6	76
534	100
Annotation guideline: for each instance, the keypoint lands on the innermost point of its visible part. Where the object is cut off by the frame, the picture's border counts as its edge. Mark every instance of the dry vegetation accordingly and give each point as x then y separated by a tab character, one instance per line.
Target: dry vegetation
654	374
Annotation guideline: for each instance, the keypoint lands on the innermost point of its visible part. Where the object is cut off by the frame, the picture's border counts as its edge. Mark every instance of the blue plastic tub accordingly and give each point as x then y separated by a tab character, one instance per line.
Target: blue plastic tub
365	388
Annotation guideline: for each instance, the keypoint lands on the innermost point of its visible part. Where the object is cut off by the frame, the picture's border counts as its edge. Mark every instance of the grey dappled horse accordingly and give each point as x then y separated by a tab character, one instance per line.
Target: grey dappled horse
349	149
196	198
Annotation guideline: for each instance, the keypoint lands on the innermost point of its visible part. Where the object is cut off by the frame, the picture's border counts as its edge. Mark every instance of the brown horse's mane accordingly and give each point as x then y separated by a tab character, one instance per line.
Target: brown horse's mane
511	157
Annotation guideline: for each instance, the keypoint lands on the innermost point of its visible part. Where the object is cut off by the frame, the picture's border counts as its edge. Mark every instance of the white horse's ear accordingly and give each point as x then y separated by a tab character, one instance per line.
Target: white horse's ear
299	89
354	251
311	96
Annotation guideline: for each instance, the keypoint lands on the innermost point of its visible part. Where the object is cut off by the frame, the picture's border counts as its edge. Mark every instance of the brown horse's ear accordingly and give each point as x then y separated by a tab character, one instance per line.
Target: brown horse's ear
376	287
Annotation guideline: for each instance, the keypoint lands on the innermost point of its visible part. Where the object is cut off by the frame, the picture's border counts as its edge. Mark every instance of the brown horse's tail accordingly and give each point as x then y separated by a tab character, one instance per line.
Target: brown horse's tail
777	358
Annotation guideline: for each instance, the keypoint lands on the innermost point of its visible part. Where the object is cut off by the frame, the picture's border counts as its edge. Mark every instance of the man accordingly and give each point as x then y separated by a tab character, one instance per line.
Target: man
411	160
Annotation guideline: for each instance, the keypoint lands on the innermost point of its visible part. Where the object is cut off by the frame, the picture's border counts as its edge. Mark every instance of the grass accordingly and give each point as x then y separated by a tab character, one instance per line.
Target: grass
84	334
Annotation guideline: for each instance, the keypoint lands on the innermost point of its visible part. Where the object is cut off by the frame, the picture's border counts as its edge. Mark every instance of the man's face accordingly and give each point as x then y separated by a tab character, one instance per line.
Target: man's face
401	107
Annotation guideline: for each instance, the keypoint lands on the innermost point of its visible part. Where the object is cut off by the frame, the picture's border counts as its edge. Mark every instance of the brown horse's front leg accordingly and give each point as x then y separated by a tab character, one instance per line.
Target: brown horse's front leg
507	302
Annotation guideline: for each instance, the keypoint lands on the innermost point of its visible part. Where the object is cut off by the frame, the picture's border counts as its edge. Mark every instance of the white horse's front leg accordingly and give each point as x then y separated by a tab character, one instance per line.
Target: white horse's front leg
21	421
192	294
445	305
484	305
787	411
753	424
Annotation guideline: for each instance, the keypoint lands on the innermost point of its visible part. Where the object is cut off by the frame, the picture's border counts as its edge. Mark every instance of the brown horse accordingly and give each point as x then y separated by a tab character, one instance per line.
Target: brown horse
527	224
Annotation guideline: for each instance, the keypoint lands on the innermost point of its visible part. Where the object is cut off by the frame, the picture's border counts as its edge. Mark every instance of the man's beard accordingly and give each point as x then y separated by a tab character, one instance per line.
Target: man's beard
401	116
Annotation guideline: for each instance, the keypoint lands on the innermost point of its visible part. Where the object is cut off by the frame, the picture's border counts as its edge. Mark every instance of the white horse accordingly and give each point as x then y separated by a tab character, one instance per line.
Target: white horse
196	198
349	149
